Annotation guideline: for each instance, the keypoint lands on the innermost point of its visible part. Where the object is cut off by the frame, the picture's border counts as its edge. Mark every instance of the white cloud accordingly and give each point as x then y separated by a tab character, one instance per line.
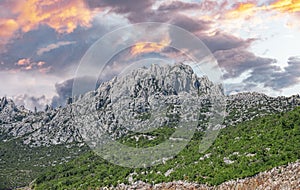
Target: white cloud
32	102
31	83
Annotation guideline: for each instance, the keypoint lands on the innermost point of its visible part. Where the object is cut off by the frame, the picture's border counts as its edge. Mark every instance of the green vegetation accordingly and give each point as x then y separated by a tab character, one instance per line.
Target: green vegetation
143	116
149	139
20	164
239	151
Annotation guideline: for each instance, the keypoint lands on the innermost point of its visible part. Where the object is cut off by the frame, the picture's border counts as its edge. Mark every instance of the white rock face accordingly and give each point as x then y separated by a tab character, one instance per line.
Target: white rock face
143	100
125	103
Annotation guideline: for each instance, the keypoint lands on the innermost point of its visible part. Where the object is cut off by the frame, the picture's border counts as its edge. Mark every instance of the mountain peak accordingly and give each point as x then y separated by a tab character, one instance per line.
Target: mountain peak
157	79
7	104
134	89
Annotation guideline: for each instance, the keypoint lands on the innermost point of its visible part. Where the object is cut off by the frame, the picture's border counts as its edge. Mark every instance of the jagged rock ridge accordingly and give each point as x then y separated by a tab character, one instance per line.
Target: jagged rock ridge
126	101
141	86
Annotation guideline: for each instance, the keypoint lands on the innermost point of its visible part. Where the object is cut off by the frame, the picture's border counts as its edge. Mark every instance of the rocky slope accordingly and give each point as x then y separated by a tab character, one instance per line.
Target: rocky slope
247	106
283	177
113	105
129	98
50	127
144	100
126	102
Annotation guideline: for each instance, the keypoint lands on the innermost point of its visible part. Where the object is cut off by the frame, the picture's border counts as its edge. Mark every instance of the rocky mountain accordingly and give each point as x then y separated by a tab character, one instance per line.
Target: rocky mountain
247	106
128	98
50	127
131	98
142	100
10	113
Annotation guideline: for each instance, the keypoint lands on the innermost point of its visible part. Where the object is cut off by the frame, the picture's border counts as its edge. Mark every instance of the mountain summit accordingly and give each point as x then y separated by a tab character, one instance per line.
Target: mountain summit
127	102
131	95
131	108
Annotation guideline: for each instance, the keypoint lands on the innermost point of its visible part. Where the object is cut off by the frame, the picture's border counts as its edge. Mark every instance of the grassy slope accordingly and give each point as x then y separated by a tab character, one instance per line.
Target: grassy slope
253	147
20	164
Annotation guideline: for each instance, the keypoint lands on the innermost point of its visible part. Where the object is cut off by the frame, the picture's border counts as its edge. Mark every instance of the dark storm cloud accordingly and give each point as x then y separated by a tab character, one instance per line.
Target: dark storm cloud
262	71
294	65
275	77
25	46
204	5
236	61
135	10
193	25
64	57
64	89
141	11
122	6
60	58
190	24
178	5
223	41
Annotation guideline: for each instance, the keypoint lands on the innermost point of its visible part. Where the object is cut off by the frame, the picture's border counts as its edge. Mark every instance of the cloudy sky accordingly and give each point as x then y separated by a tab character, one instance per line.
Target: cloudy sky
256	42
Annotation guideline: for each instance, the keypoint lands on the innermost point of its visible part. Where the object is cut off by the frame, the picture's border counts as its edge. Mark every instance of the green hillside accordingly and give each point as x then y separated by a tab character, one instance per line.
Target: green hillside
20	164
239	151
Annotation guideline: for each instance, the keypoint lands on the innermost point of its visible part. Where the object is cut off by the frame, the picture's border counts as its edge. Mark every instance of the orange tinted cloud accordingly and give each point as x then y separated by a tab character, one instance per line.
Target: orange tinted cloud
64	16
284	6
23	62
147	47
61	15
290	6
27	64
7	27
29	67
242	8
41	63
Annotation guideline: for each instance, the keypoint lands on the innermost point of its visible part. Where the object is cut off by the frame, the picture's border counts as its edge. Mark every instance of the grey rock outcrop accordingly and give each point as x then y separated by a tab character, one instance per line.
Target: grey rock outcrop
283	177
127	101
